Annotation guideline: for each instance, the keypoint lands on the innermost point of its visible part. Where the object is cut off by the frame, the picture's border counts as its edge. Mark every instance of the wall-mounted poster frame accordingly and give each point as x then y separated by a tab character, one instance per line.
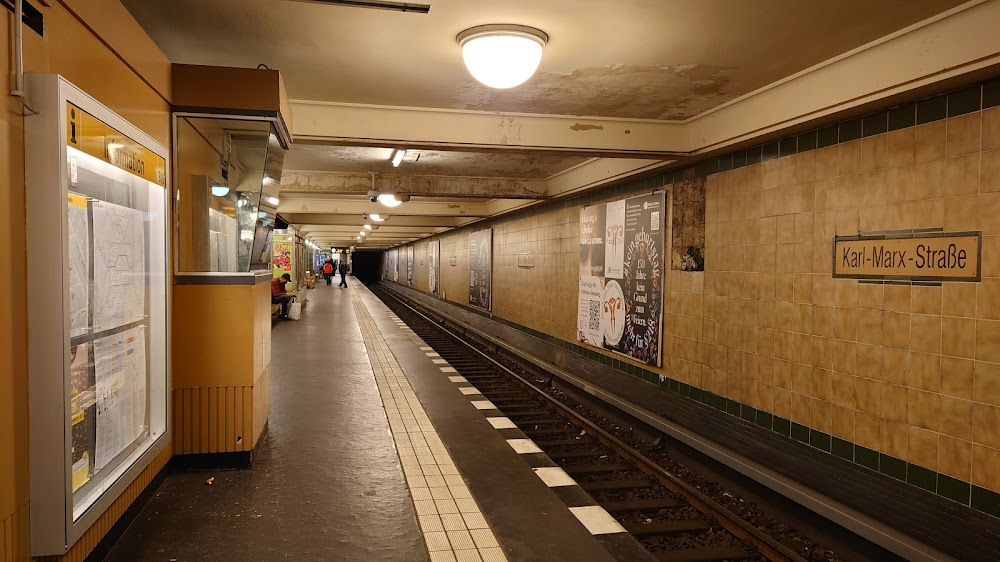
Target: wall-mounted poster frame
481	269
409	265
620	301
434	267
99	334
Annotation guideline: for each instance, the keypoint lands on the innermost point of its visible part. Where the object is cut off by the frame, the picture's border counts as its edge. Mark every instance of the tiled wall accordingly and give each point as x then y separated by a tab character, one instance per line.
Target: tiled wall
901	379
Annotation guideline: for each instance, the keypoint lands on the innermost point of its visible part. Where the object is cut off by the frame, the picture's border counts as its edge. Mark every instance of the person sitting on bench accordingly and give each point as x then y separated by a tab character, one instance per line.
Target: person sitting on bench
280	296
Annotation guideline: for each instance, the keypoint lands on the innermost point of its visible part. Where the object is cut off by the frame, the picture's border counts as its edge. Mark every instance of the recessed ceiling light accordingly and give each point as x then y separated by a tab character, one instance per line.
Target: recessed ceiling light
502	56
397	157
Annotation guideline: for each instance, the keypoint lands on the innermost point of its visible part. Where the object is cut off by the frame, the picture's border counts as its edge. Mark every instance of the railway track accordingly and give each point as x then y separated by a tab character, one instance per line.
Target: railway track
672	519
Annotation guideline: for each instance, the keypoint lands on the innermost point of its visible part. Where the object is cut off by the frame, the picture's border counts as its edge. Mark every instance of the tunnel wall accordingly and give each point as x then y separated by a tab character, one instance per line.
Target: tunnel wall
902	379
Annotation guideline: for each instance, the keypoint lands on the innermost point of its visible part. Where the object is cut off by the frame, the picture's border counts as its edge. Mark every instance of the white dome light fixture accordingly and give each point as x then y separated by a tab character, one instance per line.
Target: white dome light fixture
504	55
390	199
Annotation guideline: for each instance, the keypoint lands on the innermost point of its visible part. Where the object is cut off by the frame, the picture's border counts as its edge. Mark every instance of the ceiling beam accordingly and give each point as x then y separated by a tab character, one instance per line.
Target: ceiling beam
430	207
395	220
431	186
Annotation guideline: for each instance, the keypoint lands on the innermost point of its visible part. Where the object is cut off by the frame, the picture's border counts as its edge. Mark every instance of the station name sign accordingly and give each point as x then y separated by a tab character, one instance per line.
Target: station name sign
924	256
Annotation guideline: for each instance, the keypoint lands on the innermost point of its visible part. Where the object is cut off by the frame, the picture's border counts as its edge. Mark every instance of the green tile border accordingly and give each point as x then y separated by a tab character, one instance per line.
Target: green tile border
982	95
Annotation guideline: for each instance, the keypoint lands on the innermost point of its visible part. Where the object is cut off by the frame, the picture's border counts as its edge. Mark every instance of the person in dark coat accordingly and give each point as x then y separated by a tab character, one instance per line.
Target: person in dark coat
343	273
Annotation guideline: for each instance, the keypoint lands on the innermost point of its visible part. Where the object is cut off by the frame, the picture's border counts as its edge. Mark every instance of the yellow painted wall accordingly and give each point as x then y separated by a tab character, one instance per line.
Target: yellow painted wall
913	372
70	49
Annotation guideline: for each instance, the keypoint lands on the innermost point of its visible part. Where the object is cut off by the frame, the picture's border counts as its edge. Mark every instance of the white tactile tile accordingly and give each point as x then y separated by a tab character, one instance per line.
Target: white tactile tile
437	540
460	540
430	523
491	555
484	405
469	390
597	520
501	423
523	446
443	503
468	555
452	522
553	476
484	538
432	354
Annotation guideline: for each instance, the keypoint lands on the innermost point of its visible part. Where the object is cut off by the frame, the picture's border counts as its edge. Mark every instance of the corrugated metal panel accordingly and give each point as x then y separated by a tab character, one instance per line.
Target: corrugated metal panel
215	419
14	539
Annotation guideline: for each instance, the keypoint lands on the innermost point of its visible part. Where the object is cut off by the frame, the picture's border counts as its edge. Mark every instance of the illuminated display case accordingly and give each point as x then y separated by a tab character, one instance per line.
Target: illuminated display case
98	331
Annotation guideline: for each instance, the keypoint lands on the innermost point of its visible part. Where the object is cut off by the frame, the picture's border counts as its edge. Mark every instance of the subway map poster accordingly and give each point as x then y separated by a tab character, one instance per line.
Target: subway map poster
620	304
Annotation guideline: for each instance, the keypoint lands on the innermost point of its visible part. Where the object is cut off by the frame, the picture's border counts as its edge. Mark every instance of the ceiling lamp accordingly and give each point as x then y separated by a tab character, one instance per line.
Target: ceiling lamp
502	56
397	157
220	190
273	201
368	226
376	217
390	199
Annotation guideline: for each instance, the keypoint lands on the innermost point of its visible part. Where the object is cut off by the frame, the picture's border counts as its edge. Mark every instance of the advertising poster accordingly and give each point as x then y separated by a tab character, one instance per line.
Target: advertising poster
394	264
614	240
409	265
625	313
592	240
481	269
283	255
434	251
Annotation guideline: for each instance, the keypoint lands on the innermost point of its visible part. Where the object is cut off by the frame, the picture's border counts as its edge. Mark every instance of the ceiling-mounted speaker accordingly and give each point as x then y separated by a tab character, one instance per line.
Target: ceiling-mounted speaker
376	5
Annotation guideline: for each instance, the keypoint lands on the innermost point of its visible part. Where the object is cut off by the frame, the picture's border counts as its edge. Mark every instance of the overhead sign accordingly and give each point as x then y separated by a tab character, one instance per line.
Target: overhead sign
89	134
933	256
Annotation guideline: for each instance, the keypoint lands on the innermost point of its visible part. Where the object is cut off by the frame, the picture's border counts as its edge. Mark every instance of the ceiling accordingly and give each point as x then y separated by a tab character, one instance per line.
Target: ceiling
662	60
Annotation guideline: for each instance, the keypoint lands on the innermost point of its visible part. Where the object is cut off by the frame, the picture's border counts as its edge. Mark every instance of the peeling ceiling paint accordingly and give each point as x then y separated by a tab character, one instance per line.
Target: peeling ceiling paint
627	91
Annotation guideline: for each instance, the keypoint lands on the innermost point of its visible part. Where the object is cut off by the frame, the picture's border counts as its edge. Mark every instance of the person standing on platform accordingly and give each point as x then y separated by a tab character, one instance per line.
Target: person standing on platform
328	272
280	296
343	273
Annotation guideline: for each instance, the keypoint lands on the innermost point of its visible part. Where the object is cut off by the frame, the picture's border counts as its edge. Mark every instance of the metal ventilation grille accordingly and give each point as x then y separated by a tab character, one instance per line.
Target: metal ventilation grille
376	5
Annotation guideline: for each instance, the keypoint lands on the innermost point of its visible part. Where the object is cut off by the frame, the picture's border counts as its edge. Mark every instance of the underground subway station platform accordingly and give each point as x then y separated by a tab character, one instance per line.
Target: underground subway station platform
480	281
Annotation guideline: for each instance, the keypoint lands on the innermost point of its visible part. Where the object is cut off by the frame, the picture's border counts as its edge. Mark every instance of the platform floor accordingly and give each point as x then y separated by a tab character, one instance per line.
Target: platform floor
371	453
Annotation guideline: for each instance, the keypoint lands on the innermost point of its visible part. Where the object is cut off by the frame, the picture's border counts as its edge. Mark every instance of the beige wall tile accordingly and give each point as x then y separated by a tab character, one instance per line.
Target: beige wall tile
821	416
925	333
989	299
991	129
988	340
868	430
990	180
895	402
896	330
987	383
897	297
961	213
929	180
991	256
870	295
900	147
986	424
958	337
849	158
985	461
960	299
923	448
924	409
925	371
957	377
843	422
895	365
956	417
989	211
874	153
826	162
962	175
930	141
901	182
895	438
870	361
955	457
801	408
964	134
844	389
869	395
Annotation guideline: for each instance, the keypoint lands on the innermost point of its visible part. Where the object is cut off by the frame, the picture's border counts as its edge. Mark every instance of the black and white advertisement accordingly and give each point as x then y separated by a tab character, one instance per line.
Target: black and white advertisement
621	306
434	264
481	269
409	265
